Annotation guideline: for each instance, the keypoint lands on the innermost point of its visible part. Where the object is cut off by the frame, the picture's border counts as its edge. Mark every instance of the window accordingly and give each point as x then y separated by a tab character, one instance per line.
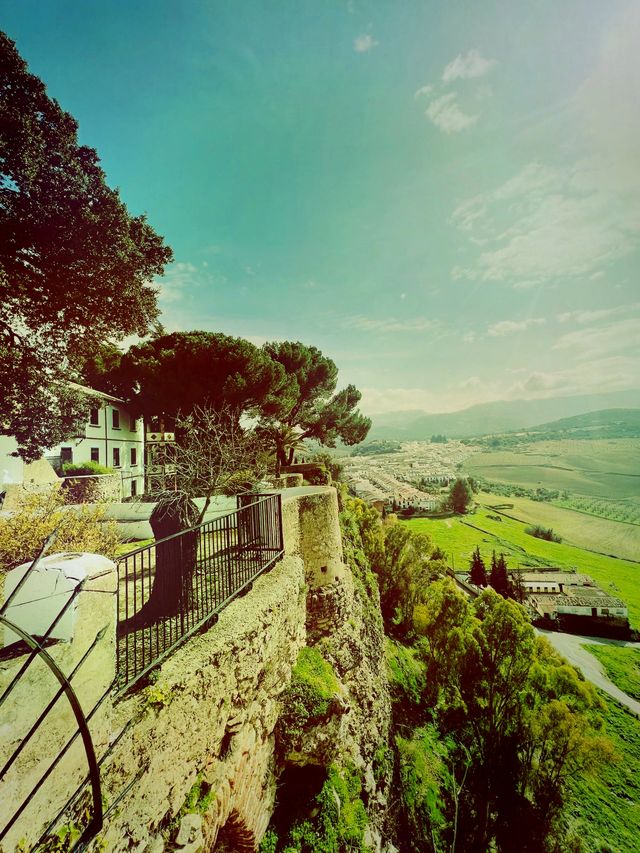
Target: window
115	419
134	457
66	454
134	424
94	417
134	488
95	454
116	457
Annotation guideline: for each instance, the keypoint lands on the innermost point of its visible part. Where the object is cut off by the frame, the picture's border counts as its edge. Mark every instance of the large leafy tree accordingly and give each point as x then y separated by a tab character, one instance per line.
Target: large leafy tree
75	266
173	374
521	719
460	495
312	406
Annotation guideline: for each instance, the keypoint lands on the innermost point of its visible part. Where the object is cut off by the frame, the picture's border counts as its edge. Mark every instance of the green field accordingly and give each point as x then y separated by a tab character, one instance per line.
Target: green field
459	536
576	528
627	510
622	665
607	468
605	811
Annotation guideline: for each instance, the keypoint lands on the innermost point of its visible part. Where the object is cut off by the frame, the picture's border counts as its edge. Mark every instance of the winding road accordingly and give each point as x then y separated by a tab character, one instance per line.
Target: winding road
572	647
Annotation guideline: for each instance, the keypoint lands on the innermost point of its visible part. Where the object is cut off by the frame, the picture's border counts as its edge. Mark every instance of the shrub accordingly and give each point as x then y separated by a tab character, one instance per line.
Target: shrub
80	469
84	528
318	476
540	532
308	698
338	818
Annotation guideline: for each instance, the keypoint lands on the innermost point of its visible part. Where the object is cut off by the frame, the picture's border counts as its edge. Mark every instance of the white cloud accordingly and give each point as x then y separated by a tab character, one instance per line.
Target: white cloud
547	224
473	64
445	113
614	373
510	327
582	317
176	282
370	324
423	90
594	342
364	43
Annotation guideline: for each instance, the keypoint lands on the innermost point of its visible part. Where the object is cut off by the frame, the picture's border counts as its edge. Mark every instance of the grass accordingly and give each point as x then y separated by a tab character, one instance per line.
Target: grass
459	536
601	468
603	535
126	547
622	665
605	810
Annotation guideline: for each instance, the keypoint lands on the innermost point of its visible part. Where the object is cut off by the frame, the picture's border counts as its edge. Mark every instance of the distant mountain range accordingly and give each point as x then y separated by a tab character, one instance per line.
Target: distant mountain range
499	417
620	421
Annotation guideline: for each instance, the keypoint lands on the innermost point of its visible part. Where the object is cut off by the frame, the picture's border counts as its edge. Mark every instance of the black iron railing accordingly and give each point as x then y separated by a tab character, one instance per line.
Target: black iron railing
175	587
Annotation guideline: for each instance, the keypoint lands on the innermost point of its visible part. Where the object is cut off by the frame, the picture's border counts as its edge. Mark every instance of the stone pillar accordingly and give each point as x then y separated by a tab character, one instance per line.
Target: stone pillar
311	527
91	624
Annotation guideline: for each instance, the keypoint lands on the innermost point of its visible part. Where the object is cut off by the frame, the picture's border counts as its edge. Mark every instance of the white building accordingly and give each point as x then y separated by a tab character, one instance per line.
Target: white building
112	437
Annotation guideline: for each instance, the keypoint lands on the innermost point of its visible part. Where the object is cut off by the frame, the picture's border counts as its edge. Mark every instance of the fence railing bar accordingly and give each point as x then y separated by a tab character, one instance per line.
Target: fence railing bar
36	651
72	799
217	559
86	738
25	740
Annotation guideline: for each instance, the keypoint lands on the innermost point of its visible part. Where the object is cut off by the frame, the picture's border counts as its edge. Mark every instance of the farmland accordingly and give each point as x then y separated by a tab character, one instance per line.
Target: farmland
603	535
458	536
601	468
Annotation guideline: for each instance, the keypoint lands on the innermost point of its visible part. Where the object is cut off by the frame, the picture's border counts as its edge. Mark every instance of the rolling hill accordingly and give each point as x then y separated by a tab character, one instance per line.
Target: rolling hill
497	417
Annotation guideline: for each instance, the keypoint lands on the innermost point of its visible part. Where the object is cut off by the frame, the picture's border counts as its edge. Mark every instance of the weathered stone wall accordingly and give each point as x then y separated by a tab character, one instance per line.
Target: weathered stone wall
193	752
209	719
95	611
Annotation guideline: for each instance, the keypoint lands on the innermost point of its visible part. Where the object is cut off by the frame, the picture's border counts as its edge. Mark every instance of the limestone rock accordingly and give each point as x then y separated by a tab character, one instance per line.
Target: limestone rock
190	838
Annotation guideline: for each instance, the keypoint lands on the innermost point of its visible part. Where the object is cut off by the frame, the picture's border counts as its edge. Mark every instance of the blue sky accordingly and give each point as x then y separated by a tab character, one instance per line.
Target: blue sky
444	197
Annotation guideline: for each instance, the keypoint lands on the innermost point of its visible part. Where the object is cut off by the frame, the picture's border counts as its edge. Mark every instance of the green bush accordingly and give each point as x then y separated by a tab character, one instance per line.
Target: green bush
338	819
80	469
308	698
318	476
540	532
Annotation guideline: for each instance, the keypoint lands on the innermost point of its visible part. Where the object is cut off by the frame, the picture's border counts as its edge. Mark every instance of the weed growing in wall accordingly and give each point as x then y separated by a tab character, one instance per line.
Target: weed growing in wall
308	698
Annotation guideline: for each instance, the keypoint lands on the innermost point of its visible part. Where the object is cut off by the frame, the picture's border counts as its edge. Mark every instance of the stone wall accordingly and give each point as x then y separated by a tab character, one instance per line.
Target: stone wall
94	626
190	759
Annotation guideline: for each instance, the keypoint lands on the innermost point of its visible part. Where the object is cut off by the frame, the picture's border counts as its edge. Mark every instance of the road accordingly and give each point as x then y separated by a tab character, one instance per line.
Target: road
572	647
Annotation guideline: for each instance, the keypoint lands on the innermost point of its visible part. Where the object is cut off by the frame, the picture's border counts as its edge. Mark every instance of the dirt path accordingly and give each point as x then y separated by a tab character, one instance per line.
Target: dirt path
572	647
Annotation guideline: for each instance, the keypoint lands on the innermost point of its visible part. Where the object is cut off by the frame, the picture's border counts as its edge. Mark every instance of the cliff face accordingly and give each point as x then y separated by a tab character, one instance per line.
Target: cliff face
348	734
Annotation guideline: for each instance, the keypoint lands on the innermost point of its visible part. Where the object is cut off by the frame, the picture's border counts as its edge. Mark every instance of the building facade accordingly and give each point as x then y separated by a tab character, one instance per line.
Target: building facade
112	437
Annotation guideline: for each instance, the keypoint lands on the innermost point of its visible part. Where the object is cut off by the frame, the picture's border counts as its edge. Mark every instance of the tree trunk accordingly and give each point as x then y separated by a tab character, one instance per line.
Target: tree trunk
176	559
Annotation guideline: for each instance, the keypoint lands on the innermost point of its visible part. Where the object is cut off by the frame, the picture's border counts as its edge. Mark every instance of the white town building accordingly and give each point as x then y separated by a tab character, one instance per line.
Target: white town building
112	437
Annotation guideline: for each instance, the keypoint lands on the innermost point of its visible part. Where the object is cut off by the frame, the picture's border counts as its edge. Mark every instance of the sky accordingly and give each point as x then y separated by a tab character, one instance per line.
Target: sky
443	197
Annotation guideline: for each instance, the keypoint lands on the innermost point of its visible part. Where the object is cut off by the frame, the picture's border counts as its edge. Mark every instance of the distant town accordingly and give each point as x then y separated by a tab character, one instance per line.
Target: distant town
411	475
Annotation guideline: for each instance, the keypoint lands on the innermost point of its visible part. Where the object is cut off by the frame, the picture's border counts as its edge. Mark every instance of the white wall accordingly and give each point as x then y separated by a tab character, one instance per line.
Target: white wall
105	437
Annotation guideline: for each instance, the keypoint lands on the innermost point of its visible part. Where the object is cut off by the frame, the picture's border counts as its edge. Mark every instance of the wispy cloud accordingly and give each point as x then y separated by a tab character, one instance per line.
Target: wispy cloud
583	317
547	224
423	90
445	113
510	327
364	43
370	324
473	64
177	281
598	341
444	110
